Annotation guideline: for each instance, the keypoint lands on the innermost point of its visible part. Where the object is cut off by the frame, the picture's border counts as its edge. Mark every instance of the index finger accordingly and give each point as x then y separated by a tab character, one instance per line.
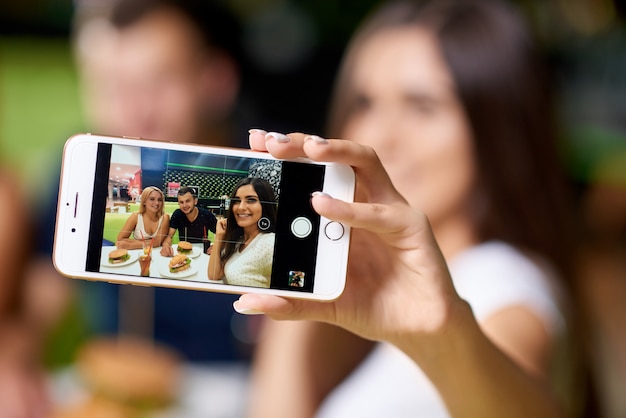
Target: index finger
372	176
279	145
257	139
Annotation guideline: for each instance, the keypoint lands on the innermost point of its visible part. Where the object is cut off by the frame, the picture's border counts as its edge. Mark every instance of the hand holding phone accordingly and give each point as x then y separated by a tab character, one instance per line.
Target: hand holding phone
398	285
274	242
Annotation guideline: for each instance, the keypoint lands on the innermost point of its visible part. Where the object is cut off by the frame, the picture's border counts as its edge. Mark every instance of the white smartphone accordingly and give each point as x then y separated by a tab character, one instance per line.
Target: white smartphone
102	180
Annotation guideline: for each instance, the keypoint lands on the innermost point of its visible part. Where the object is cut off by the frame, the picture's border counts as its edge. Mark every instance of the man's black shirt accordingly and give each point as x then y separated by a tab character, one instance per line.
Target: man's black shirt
196	230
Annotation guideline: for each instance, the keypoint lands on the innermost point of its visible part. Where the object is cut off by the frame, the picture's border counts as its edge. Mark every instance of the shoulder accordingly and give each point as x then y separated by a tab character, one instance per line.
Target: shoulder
9	186
496	258
264	242
177	217
495	275
267	238
206	213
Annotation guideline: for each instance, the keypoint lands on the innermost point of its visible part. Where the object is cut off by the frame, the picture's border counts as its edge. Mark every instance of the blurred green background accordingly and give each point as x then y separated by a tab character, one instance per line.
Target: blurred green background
39	105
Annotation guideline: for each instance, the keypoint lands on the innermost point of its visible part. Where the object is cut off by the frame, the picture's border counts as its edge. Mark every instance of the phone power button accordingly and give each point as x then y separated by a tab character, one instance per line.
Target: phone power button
334	230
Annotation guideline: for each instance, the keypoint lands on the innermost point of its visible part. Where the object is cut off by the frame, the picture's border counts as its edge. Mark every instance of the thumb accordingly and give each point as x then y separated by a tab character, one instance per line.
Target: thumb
280	308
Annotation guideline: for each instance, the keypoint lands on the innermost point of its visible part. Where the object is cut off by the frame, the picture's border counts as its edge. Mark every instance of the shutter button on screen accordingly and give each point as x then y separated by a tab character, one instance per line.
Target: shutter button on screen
334	231
301	227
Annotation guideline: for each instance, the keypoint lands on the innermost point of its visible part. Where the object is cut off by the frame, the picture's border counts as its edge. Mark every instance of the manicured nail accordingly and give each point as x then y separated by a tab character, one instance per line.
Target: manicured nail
316	139
257	131
278	137
321	194
246	311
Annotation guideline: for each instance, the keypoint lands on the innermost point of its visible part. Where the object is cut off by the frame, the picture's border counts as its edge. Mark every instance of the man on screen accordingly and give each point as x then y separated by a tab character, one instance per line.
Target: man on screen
192	222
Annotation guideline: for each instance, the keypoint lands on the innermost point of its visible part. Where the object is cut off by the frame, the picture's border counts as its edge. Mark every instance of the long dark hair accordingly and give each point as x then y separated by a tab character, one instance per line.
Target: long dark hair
234	233
521	194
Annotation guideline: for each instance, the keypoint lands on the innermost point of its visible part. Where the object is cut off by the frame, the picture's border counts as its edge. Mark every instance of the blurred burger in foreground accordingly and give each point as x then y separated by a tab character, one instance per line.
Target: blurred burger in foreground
96	407
179	262
126	378
184	247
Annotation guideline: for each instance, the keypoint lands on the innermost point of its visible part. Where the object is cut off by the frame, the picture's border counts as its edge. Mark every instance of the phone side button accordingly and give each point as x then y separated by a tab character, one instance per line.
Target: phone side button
334	231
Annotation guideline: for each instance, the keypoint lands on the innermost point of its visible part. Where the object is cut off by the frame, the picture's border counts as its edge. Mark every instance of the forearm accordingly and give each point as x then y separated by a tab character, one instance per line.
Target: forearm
129	243
473	376
215	269
21	341
158	240
310	356
270	379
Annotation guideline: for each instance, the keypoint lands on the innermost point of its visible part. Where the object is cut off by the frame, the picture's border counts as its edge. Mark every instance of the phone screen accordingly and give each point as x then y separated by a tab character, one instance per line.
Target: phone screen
287	223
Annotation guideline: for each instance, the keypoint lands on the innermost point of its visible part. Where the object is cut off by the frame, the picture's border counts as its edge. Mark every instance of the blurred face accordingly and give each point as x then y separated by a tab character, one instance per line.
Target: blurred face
187	203
154	203
145	80
246	206
408	111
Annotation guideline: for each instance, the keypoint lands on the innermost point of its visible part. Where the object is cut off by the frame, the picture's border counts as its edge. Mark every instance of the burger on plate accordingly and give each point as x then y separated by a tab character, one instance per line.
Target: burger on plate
184	247
179	262
118	256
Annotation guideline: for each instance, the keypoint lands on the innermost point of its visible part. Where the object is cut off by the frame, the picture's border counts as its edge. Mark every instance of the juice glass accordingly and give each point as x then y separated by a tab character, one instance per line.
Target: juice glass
144	264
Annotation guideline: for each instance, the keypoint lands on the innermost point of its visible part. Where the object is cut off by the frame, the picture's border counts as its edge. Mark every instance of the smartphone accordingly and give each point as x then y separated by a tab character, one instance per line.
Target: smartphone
300	253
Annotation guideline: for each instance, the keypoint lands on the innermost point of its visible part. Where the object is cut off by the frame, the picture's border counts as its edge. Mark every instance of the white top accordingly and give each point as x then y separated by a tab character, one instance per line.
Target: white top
490	276
253	265
140	230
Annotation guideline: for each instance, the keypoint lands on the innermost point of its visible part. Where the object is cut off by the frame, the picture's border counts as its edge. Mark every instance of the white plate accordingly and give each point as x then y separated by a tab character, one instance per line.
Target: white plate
195	251
165	271
132	259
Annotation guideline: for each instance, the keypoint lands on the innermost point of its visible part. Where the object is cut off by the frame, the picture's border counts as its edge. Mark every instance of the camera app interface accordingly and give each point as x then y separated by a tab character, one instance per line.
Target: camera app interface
229	220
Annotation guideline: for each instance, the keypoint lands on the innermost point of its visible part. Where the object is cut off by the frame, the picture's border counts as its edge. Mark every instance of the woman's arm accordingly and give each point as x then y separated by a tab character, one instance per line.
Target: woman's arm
22	382
15	245
163	231
473	376
215	269
399	290
123	237
166	244
313	357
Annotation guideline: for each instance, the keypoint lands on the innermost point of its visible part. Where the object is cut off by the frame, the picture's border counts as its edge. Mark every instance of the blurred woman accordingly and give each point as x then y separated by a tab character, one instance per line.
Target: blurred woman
151	222
452	97
23	323
244	241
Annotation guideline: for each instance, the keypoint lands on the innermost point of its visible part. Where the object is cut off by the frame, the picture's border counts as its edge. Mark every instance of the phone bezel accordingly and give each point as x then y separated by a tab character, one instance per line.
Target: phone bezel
74	217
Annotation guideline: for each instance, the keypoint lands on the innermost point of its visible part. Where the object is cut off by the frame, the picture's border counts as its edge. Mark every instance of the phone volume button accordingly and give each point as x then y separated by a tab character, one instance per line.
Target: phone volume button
131	137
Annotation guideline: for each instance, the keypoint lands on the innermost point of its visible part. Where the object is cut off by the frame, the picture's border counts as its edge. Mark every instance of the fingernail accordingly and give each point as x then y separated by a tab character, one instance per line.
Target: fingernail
257	131
278	137
316	139
320	194
246	311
